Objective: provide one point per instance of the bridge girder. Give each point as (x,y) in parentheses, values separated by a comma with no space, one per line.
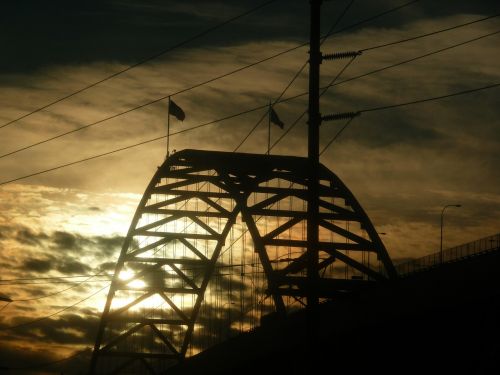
(181,227)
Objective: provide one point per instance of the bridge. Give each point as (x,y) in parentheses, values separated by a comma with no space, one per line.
(436,318)
(214,266)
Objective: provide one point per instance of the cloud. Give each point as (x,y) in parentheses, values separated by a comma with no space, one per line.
(73,266)
(109,245)
(403,164)
(66,241)
(27,237)
(38,265)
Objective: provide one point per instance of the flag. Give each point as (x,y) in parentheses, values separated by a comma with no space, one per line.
(174,109)
(273,117)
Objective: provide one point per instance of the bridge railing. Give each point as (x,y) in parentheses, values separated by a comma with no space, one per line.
(481,246)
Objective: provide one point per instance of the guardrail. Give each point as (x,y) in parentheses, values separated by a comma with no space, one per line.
(467,250)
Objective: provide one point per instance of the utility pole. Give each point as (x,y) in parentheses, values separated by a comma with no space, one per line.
(314,121)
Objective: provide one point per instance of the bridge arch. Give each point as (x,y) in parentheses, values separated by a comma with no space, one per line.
(206,211)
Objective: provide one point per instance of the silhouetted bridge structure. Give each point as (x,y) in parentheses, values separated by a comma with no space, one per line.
(213,277)
(437,318)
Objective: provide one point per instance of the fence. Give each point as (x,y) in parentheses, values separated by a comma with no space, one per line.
(474,248)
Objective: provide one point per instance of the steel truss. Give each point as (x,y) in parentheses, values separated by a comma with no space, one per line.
(181,227)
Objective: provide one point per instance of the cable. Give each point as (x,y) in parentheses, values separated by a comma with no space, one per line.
(284,135)
(54,282)
(325,89)
(415,58)
(244,112)
(131,146)
(419,101)
(53,314)
(387,67)
(336,135)
(429,34)
(52,278)
(199,84)
(46,364)
(4,306)
(141,62)
(58,292)
(431,99)
(330,31)
(399,7)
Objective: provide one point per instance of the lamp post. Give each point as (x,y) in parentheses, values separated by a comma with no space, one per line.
(442,221)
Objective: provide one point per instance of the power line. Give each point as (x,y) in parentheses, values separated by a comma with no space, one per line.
(369,19)
(53,314)
(134,145)
(200,83)
(59,291)
(321,94)
(387,67)
(141,62)
(52,278)
(246,111)
(415,58)
(52,282)
(418,101)
(334,138)
(429,34)
(47,364)
(330,31)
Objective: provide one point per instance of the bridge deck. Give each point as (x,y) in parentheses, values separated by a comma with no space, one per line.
(444,319)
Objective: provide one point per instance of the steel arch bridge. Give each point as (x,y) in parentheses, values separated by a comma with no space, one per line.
(217,242)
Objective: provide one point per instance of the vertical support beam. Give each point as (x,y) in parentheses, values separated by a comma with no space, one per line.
(314,121)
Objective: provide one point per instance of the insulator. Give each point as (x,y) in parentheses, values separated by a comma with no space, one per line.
(341,55)
(340,116)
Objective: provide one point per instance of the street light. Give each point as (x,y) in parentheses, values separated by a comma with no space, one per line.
(442,220)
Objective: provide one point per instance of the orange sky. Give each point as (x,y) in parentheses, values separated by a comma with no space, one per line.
(403,164)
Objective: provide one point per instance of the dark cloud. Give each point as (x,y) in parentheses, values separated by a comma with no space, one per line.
(25,359)
(38,265)
(107,266)
(59,32)
(5,230)
(64,264)
(72,266)
(109,245)
(27,237)
(66,241)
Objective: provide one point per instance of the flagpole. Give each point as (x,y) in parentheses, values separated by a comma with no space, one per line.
(168,127)
(269,129)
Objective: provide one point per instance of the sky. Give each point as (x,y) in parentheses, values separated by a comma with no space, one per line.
(403,164)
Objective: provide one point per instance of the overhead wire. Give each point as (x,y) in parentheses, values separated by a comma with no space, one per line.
(55,293)
(416,58)
(325,89)
(192,87)
(143,61)
(334,138)
(47,364)
(299,72)
(418,101)
(431,99)
(430,33)
(54,313)
(277,100)
(49,278)
(367,110)
(249,110)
